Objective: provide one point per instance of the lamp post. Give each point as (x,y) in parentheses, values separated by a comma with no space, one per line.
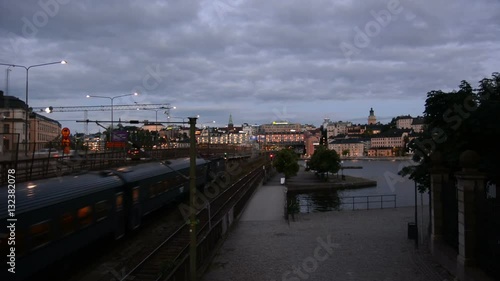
(7,80)
(111,99)
(27,68)
(192,199)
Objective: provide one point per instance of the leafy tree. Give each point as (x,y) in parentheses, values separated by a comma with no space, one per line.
(325,160)
(457,121)
(345,152)
(285,162)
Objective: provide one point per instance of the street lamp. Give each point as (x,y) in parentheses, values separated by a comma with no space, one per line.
(27,68)
(112,99)
(156,118)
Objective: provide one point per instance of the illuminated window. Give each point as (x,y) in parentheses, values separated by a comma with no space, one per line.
(101,210)
(85,216)
(119,201)
(67,224)
(40,234)
(135,195)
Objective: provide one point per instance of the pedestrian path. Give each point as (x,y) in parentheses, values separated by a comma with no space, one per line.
(267,204)
(347,245)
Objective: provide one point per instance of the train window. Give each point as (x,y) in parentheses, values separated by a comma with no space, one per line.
(135,195)
(119,201)
(40,234)
(67,224)
(101,210)
(85,216)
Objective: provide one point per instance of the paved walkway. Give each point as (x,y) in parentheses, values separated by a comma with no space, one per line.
(347,245)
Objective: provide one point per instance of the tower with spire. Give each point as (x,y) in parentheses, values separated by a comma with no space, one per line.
(230,125)
(371,118)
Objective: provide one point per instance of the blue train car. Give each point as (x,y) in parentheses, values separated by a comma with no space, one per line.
(57,216)
(150,186)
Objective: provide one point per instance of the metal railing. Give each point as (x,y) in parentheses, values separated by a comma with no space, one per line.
(367,200)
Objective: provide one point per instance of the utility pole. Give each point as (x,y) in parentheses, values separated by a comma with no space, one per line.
(192,198)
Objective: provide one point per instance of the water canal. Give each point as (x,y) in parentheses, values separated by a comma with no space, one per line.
(389,184)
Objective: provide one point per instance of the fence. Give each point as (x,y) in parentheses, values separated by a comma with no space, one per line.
(365,202)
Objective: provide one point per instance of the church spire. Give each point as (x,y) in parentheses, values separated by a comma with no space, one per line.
(230,125)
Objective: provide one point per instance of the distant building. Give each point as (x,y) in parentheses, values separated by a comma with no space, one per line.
(348,147)
(408,122)
(418,124)
(311,141)
(404,122)
(335,128)
(41,129)
(391,139)
(371,118)
(281,134)
(12,122)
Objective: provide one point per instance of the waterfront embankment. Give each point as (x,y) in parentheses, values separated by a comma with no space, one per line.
(308,181)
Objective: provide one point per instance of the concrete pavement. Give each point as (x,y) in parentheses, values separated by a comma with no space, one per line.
(346,245)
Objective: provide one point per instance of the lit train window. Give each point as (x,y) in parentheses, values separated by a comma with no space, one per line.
(40,234)
(85,216)
(67,224)
(135,195)
(119,201)
(101,210)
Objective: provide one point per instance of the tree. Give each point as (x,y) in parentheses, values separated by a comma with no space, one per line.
(285,162)
(457,121)
(325,160)
(345,152)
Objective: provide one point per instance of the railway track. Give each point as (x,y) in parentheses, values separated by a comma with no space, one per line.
(163,262)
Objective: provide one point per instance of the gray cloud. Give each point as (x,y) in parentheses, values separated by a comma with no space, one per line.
(250,57)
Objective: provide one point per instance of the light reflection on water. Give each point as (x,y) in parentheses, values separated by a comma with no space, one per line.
(388,183)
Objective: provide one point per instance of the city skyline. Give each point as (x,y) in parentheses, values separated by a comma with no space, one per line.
(257,60)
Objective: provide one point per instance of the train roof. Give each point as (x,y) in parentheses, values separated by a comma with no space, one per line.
(41,193)
(148,170)
(45,192)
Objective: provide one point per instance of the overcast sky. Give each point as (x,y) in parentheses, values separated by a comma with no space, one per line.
(259,60)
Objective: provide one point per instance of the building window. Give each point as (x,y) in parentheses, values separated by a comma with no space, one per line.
(6,128)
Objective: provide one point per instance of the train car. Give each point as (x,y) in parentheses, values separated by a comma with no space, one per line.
(150,186)
(56,216)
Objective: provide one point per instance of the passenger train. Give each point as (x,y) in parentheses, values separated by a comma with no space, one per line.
(57,216)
